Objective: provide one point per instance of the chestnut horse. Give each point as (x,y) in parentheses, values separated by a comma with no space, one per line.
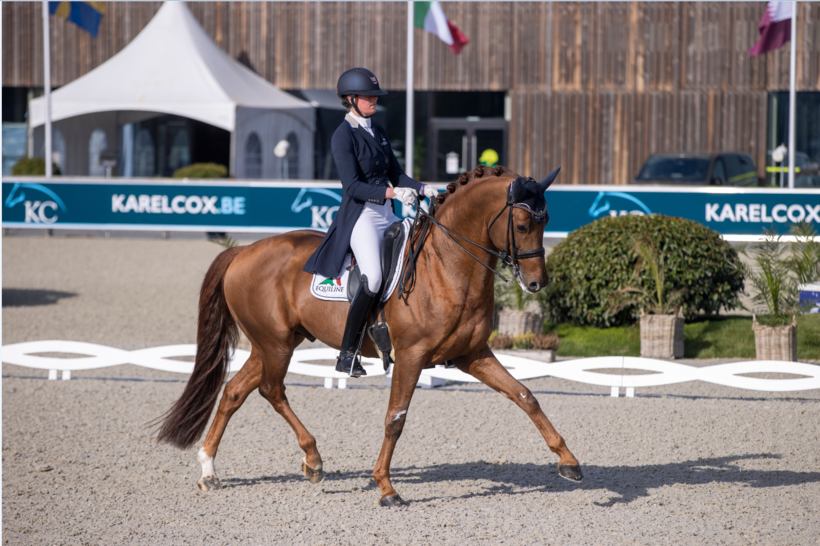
(262,289)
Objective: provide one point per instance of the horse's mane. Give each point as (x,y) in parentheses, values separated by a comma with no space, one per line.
(479,172)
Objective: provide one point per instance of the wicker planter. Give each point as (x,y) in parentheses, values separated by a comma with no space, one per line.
(661,336)
(776,342)
(516,323)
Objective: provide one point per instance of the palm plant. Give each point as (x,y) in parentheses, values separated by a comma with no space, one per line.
(655,298)
(777,277)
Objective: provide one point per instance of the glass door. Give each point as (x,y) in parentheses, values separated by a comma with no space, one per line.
(458,145)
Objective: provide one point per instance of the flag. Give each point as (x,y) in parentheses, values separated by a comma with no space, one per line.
(775,27)
(86,15)
(430,17)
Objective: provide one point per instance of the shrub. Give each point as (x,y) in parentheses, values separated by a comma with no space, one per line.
(523,341)
(33,166)
(597,260)
(546,342)
(202,170)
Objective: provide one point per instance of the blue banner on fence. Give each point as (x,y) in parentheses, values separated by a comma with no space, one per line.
(275,207)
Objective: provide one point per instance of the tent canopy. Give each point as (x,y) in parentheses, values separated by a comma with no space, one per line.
(172,67)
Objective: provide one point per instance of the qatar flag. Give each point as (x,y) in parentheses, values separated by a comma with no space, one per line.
(775,27)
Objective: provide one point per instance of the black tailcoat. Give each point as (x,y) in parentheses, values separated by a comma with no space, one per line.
(365,164)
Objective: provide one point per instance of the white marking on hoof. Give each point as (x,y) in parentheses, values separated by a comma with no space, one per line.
(208,468)
(399,414)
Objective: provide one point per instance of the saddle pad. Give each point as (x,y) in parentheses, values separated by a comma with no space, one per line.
(330,289)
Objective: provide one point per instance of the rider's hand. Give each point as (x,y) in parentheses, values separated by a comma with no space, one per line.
(405,195)
(429,192)
(390,194)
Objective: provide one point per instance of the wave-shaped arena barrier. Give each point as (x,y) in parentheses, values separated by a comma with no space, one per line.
(87,356)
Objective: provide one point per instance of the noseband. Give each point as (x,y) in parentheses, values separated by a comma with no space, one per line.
(509,256)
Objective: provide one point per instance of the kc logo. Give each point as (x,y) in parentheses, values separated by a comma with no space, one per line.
(37,211)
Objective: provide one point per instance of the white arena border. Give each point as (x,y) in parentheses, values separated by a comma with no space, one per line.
(666,373)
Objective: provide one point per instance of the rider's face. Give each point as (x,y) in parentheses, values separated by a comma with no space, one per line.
(366,104)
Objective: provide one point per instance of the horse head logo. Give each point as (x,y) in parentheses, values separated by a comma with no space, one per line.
(18,194)
(303,200)
(602,205)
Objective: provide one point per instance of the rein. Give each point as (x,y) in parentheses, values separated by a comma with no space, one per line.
(509,257)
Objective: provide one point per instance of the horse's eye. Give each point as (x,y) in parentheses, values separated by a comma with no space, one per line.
(521,229)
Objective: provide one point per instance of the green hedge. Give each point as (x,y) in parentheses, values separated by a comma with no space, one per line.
(33,166)
(202,170)
(599,258)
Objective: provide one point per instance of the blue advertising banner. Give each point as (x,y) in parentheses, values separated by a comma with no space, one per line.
(275,207)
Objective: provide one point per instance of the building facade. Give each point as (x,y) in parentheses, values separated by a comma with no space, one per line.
(594,87)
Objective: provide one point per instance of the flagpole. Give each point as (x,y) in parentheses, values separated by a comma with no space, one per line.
(47,84)
(792,93)
(408,139)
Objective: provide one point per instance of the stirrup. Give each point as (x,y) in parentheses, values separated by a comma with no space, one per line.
(344,362)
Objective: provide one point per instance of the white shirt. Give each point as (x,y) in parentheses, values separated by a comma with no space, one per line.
(364,123)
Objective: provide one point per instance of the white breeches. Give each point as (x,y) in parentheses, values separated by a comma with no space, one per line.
(367,237)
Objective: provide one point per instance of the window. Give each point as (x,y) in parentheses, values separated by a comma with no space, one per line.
(293,156)
(97,144)
(253,157)
(144,153)
(675,168)
(719,172)
(180,155)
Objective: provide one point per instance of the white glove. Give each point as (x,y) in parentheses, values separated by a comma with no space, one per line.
(406,195)
(430,192)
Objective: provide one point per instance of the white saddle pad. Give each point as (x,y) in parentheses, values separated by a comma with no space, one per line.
(330,289)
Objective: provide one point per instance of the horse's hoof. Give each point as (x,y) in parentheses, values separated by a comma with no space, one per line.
(392,500)
(571,472)
(315,475)
(210,483)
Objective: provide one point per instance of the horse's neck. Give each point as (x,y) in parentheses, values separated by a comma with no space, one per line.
(469,218)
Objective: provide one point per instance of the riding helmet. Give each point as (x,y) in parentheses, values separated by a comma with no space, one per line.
(358,81)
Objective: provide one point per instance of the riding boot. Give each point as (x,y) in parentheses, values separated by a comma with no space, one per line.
(356,323)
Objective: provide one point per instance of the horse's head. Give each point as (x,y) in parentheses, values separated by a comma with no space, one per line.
(520,232)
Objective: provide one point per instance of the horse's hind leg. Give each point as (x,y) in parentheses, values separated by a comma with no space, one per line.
(487,369)
(233,396)
(272,387)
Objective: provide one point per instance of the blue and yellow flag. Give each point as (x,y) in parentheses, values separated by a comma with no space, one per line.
(86,15)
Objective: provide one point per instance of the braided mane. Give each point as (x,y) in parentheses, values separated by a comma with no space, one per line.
(479,172)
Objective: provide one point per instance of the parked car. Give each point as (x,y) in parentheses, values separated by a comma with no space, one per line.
(809,177)
(721,169)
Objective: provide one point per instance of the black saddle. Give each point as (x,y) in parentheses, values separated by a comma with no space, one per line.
(389,252)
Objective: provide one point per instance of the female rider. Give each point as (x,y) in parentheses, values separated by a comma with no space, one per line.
(371,177)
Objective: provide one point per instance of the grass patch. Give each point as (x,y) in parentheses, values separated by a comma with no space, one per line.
(707,337)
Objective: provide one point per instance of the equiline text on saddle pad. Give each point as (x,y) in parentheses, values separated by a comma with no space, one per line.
(330,289)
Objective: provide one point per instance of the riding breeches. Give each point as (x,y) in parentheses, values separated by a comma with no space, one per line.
(366,239)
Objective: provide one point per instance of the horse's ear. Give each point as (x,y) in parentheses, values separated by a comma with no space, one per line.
(544,184)
(518,191)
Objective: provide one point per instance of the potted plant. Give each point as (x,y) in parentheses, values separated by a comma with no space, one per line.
(547,343)
(776,277)
(515,318)
(660,308)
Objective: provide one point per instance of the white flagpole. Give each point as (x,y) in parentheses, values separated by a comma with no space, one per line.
(47,84)
(792,94)
(408,139)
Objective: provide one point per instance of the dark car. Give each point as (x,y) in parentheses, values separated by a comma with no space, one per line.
(721,169)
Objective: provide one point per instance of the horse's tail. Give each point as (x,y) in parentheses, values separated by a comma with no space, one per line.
(217,335)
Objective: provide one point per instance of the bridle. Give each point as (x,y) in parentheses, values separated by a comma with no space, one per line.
(509,256)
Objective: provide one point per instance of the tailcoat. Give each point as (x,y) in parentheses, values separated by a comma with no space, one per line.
(365,163)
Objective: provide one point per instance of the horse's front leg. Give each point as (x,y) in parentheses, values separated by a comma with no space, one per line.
(405,377)
(487,369)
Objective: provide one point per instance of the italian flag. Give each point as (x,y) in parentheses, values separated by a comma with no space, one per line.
(430,17)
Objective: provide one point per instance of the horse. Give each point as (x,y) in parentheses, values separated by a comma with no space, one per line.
(448,315)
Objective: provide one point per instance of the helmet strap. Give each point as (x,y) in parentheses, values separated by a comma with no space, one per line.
(353,103)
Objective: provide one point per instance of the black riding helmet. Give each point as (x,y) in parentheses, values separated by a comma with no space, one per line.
(358,81)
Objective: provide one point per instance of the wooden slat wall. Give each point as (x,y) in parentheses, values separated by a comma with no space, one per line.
(595,86)
(566,46)
(604,137)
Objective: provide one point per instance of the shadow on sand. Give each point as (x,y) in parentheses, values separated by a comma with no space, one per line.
(27,297)
(626,483)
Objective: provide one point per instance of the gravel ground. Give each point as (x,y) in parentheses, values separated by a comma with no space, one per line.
(694,463)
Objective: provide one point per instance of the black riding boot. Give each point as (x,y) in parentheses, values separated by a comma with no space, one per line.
(356,323)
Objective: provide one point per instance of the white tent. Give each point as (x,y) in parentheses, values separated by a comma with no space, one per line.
(173,67)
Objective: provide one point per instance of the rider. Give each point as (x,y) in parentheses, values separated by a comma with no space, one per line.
(371,177)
